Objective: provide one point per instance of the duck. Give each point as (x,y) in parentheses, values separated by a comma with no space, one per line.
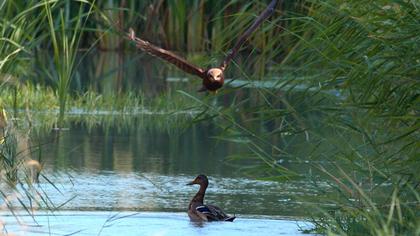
(198,211)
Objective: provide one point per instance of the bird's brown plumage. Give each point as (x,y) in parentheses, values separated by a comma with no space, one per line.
(166,55)
(210,82)
(198,211)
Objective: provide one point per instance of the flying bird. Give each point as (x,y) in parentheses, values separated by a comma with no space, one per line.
(213,78)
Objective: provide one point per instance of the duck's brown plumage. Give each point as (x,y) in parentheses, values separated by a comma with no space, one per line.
(198,211)
(210,82)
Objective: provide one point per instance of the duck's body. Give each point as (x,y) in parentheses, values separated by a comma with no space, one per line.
(198,211)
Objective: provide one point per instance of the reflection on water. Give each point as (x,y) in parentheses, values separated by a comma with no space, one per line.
(143,191)
(146,223)
(104,175)
(147,170)
(138,149)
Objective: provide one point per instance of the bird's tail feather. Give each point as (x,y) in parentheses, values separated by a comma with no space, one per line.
(230,218)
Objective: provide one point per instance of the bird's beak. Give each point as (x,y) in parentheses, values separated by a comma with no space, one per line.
(214,79)
(191,183)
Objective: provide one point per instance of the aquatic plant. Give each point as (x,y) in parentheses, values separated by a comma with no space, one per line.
(35,98)
(65,44)
(68,31)
(362,138)
(344,100)
(17,39)
(9,162)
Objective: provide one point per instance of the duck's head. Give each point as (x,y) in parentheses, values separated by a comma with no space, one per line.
(200,179)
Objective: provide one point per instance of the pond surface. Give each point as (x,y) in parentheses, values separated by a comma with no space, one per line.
(102,165)
(98,172)
(145,223)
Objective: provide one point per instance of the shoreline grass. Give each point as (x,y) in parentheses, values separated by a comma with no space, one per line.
(366,52)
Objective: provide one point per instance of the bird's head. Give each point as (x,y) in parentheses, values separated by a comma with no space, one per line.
(201,180)
(215,75)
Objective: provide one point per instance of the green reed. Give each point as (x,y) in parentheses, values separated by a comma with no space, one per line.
(19,173)
(204,28)
(9,163)
(17,38)
(33,98)
(362,142)
(65,43)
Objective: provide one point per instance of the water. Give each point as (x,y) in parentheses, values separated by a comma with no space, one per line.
(102,171)
(145,223)
(156,192)
(108,163)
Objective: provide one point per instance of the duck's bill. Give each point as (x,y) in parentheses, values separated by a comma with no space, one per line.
(191,183)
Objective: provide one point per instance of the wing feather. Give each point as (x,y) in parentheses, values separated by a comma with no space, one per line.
(212,213)
(264,15)
(166,55)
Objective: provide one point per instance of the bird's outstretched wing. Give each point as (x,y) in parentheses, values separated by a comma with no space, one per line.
(166,55)
(264,15)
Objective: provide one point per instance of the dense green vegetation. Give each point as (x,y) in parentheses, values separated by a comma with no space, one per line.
(353,121)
